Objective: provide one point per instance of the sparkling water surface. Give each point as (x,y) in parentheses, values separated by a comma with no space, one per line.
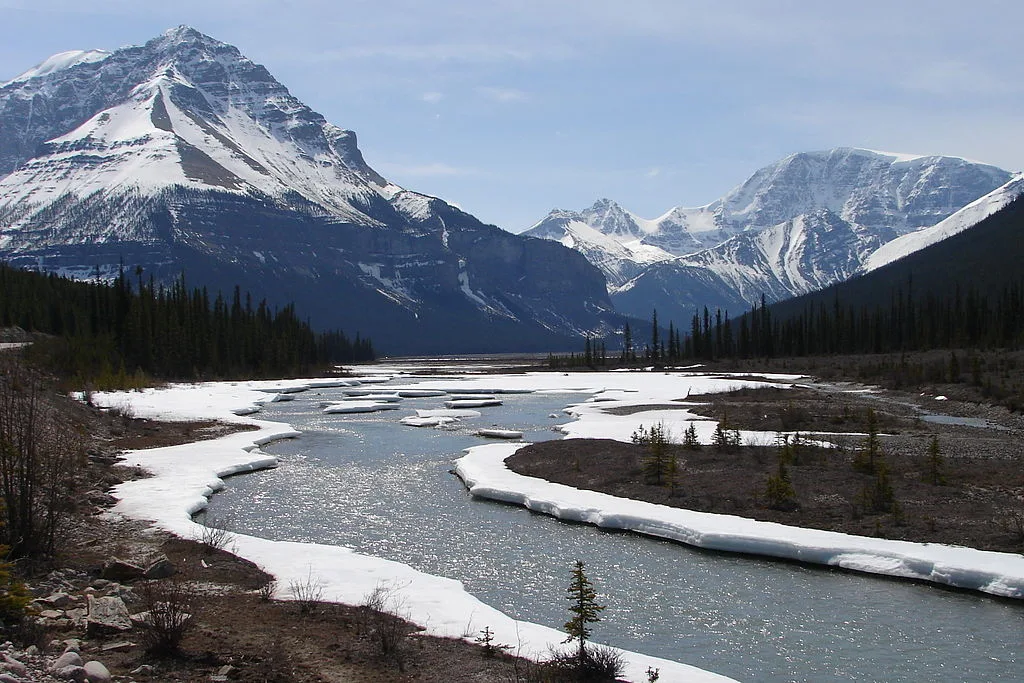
(370,483)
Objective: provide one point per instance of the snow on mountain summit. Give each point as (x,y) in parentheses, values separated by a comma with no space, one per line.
(58,62)
(804,222)
(183,110)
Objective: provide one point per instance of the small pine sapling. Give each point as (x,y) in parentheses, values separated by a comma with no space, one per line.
(584,609)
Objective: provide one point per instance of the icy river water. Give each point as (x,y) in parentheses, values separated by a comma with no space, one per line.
(370,483)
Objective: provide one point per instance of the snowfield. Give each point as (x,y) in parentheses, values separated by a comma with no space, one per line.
(186,476)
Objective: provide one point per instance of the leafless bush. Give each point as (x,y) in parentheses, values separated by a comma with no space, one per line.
(308,592)
(215,533)
(170,613)
(123,409)
(387,628)
(600,663)
(40,452)
(268,590)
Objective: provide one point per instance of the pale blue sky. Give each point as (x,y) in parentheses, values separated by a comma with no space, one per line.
(510,108)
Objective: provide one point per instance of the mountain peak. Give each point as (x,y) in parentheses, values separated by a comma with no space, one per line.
(186,34)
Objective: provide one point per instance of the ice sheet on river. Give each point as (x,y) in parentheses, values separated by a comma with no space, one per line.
(185,476)
(485,474)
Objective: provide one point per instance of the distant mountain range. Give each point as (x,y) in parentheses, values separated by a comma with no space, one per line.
(184,155)
(803,223)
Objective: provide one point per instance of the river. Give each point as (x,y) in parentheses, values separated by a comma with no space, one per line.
(385,489)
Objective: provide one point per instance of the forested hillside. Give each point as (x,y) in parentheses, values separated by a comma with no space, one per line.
(102,333)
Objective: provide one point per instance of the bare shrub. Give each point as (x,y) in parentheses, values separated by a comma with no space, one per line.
(216,533)
(40,452)
(600,663)
(268,590)
(308,593)
(385,624)
(170,614)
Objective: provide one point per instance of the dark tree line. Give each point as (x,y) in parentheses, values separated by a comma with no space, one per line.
(961,318)
(104,330)
(964,318)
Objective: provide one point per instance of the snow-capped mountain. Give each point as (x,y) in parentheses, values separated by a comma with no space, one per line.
(802,223)
(182,154)
(965,218)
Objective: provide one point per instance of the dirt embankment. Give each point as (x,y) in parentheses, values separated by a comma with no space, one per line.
(979,502)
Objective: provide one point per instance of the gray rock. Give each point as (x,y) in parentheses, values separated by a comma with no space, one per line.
(51,614)
(96,672)
(121,571)
(107,615)
(55,601)
(8,678)
(31,650)
(72,673)
(144,670)
(73,645)
(15,667)
(161,569)
(69,658)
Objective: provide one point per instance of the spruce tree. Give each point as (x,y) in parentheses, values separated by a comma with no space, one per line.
(584,609)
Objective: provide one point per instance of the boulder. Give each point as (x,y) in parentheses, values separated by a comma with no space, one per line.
(15,667)
(72,673)
(96,672)
(69,658)
(107,615)
(8,678)
(160,569)
(121,571)
(55,601)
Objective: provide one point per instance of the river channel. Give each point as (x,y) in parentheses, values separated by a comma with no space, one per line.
(370,483)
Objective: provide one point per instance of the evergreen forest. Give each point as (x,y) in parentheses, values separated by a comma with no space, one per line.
(121,333)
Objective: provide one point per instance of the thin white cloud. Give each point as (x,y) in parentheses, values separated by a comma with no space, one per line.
(432,97)
(503,94)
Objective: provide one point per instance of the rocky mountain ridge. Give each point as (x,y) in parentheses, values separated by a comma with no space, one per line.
(800,224)
(184,155)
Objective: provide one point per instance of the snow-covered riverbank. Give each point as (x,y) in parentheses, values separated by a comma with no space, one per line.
(185,476)
(485,474)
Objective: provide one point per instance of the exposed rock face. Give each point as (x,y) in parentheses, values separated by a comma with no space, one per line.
(183,155)
(808,221)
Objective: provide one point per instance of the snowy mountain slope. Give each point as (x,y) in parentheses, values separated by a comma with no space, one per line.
(618,248)
(777,262)
(802,223)
(182,154)
(965,218)
(59,61)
